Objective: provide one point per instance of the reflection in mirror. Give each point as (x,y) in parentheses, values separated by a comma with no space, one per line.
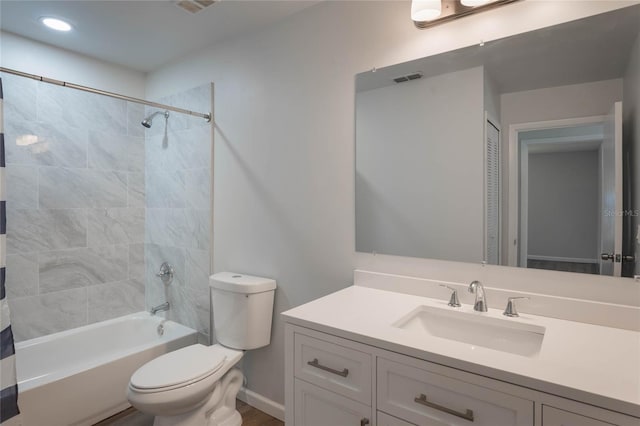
(522,151)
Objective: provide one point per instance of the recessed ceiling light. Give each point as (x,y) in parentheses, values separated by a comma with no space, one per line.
(56,24)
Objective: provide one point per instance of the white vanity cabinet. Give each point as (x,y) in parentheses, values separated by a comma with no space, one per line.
(333,381)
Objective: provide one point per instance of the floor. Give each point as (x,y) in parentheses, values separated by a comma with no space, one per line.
(250,417)
(584,268)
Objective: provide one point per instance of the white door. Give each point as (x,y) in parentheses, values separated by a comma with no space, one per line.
(314,406)
(611,194)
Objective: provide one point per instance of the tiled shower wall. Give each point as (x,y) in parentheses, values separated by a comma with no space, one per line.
(75,207)
(178,213)
(96,203)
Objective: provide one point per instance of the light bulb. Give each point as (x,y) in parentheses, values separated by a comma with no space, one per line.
(425,10)
(56,24)
(474,3)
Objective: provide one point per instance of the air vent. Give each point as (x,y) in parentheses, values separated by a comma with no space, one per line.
(405,78)
(193,6)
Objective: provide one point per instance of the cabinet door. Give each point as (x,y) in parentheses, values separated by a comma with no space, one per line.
(315,406)
(555,417)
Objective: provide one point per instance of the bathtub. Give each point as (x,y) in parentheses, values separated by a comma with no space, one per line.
(80,376)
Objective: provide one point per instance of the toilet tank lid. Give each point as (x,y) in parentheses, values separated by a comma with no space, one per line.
(241,283)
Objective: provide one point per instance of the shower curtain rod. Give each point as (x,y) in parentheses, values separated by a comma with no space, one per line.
(105,93)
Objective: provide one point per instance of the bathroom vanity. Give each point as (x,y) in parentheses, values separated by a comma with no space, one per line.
(365,356)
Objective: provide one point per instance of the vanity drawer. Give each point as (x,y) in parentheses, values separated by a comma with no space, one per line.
(386,420)
(333,367)
(422,397)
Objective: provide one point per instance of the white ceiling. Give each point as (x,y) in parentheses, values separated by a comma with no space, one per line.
(590,49)
(145,34)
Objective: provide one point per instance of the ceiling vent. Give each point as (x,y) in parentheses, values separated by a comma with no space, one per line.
(193,6)
(409,77)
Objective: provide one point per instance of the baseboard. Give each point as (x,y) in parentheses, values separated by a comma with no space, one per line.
(262,403)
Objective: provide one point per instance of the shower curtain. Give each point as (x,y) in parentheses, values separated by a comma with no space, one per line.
(9,413)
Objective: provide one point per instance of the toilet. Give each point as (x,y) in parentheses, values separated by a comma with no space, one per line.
(197,385)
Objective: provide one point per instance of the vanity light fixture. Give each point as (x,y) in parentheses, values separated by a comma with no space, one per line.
(423,12)
(56,24)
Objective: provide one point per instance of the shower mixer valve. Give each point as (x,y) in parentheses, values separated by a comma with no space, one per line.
(166,273)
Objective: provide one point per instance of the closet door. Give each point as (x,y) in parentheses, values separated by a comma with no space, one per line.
(492,194)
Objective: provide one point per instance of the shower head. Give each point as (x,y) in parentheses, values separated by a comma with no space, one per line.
(147,122)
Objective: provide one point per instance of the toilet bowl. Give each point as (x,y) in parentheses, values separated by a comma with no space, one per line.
(197,385)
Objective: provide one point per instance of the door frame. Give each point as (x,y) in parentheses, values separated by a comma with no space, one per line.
(514,241)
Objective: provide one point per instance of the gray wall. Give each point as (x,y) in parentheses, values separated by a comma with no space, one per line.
(631,130)
(409,200)
(552,103)
(563,205)
(75,212)
(178,208)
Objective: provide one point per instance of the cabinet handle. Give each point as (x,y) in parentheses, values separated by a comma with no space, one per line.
(364,422)
(422,399)
(315,363)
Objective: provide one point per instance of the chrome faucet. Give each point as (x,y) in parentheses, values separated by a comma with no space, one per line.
(480,304)
(163,307)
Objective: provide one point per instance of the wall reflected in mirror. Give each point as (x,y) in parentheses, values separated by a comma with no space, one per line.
(522,151)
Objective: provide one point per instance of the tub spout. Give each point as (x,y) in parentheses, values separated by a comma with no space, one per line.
(163,307)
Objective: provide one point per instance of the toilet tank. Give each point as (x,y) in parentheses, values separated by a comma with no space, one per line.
(242,308)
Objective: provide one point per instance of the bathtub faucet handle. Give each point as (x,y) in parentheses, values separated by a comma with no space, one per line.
(166,273)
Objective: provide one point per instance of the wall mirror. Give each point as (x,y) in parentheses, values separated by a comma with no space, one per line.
(521,151)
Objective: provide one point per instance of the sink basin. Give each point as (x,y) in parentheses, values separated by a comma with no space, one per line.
(475,329)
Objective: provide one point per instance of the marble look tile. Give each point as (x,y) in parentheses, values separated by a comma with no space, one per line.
(48,313)
(107,301)
(22,275)
(165,227)
(38,143)
(198,188)
(197,287)
(65,269)
(19,101)
(136,190)
(185,228)
(74,188)
(81,109)
(115,226)
(136,262)
(40,230)
(165,189)
(108,151)
(198,233)
(180,150)
(135,115)
(22,187)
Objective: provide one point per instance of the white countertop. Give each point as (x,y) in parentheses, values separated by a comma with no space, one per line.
(589,363)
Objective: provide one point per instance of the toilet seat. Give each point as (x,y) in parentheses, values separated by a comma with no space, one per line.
(179,368)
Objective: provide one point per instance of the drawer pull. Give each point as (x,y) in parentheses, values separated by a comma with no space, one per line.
(422,399)
(315,363)
(364,422)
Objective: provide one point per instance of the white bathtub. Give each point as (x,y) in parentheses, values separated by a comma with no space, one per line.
(80,376)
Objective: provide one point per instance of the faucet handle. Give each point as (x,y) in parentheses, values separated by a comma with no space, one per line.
(453,301)
(510,310)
